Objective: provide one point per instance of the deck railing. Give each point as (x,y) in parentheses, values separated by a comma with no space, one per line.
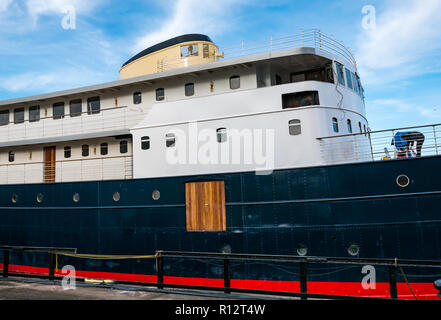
(377,145)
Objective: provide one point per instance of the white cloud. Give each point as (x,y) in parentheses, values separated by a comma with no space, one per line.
(406,42)
(4,4)
(40,7)
(398,107)
(192,16)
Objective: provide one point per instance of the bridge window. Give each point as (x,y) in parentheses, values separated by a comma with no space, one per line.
(206,50)
(34,114)
(4,117)
(145,143)
(349,126)
(11,156)
(340,73)
(58,110)
(189,89)
(335,124)
(300,99)
(221,135)
(235,82)
(93,105)
(160,94)
(104,149)
(18,115)
(85,150)
(189,51)
(295,127)
(137,98)
(75,108)
(67,152)
(323,74)
(349,79)
(123,146)
(170,140)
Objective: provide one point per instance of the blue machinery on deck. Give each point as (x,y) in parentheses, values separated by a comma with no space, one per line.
(392,264)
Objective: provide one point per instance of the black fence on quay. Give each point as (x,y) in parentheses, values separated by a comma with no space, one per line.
(392,264)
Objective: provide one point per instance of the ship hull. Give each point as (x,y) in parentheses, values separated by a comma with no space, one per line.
(324,209)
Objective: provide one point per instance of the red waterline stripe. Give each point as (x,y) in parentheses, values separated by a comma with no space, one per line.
(423,291)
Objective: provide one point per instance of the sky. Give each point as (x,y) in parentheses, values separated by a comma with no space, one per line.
(398,49)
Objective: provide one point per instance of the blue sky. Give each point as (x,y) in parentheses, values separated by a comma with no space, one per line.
(399,61)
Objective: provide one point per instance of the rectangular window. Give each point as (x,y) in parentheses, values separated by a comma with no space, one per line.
(11,156)
(235,82)
(335,124)
(145,143)
(300,99)
(349,126)
(349,79)
(18,115)
(76,108)
(298,77)
(189,89)
(170,140)
(160,94)
(295,127)
(340,73)
(85,150)
(206,50)
(123,146)
(104,149)
(205,206)
(189,51)
(67,152)
(34,114)
(93,105)
(137,98)
(58,110)
(4,117)
(221,134)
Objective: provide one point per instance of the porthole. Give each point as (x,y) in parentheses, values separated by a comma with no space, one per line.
(116,196)
(354,250)
(14,198)
(403,181)
(76,197)
(302,250)
(156,195)
(40,198)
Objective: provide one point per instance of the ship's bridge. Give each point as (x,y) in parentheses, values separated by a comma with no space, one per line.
(179,52)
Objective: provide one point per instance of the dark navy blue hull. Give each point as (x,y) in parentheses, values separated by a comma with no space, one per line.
(327,209)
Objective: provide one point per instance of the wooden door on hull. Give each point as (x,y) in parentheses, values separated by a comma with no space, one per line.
(205,206)
(49,164)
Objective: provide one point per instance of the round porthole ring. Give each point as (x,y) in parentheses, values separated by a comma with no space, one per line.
(354,250)
(302,250)
(156,195)
(116,196)
(40,198)
(14,198)
(400,183)
(76,197)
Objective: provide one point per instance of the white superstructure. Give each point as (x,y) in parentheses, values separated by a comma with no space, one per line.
(146,126)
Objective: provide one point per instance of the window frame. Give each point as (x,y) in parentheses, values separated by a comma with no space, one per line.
(17,113)
(104,149)
(232,79)
(349,125)
(33,118)
(158,96)
(335,125)
(295,127)
(74,103)
(339,68)
(5,112)
(189,85)
(85,147)
(91,109)
(137,97)
(11,156)
(67,152)
(123,146)
(60,106)
(145,143)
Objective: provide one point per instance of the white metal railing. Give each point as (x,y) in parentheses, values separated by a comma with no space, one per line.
(381,145)
(100,168)
(312,38)
(107,120)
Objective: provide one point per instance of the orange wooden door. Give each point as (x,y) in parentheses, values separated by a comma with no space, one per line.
(205,206)
(49,164)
